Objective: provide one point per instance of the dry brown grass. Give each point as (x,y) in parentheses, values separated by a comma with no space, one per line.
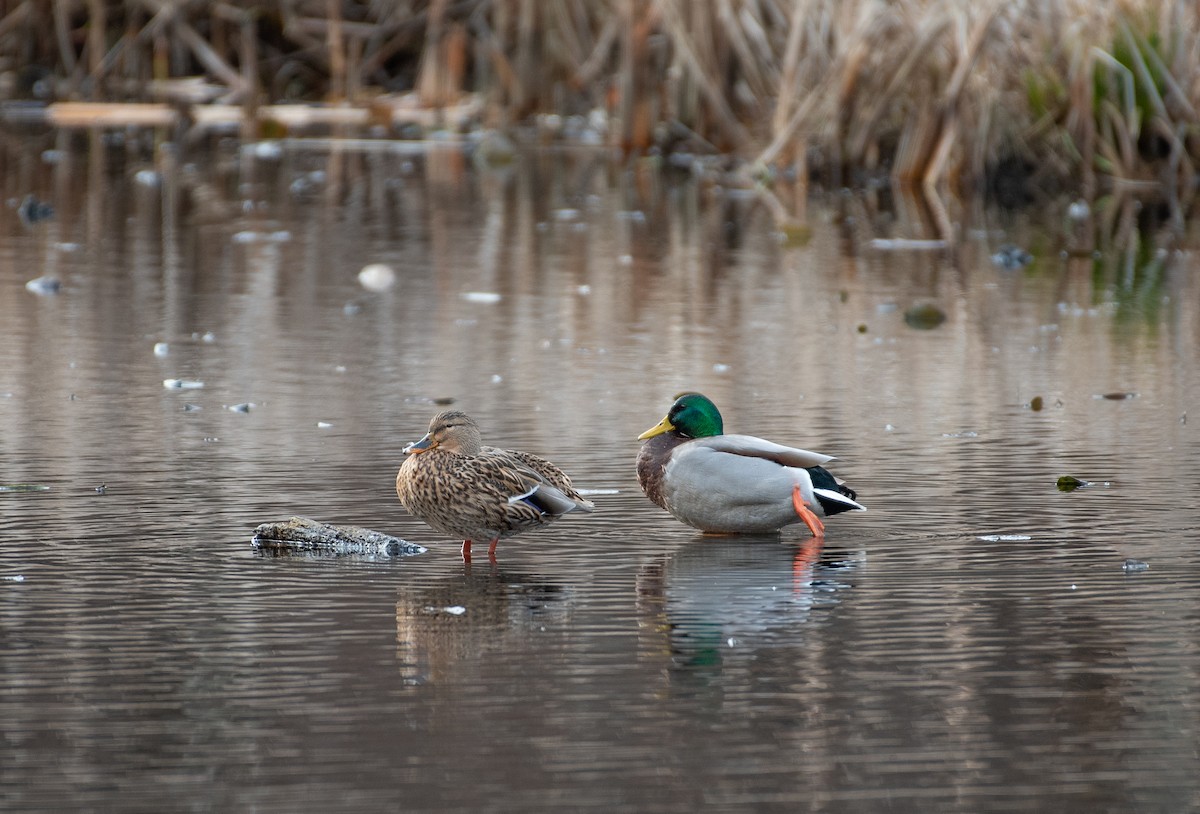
(929,93)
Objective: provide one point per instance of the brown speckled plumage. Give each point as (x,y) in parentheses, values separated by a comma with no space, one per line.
(479,493)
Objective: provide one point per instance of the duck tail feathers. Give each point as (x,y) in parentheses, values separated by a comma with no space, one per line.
(551,500)
(834,502)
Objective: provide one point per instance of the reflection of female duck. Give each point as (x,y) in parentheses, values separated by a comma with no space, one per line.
(453,620)
(734,483)
(715,595)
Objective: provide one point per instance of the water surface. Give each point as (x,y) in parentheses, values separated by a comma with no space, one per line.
(972,642)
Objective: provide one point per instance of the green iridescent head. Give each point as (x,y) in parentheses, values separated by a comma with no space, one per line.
(692,416)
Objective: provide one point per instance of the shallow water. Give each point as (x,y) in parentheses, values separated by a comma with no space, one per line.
(972,642)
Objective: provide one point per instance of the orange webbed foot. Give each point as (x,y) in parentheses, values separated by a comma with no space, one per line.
(806,514)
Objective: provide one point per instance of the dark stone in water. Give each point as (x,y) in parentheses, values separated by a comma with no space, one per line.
(1069,483)
(924,317)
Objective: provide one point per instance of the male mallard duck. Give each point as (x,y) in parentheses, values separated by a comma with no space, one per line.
(734,483)
(460,487)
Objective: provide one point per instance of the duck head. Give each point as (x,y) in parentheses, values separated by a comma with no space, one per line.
(692,416)
(452,431)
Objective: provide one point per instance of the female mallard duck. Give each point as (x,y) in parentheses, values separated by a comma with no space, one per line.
(734,483)
(460,487)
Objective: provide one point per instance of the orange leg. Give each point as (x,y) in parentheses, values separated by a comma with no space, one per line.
(466,551)
(806,514)
(492,550)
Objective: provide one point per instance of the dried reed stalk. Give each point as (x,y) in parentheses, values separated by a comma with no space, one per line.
(929,92)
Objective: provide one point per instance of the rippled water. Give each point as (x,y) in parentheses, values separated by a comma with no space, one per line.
(973,642)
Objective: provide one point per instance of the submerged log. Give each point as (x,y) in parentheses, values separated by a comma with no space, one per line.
(302,534)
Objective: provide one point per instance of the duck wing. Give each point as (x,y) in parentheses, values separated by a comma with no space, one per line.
(542,483)
(750,446)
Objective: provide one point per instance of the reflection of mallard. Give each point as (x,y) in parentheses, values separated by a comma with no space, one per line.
(460,487)
(714,598)
(734,483)
(452,621)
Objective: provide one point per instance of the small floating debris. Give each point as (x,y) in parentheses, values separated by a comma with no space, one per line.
(1119,396)
(244,407)
(485,297)
(323,425)
(161,349)
(794,234)
(720,367)
(306,184)
(1011,257)
(44,286)
(182,384)
(250,236)
(1036,404)
(906,244)
(303,534)
(147,178)
(1132,565)
(102,489)
(924,317)
(192,408)
(377,277)
(14,578)
(1005,538)
(270,150)
(31,210)
(494,149)
(24,487)
(453,610)
(440,400)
